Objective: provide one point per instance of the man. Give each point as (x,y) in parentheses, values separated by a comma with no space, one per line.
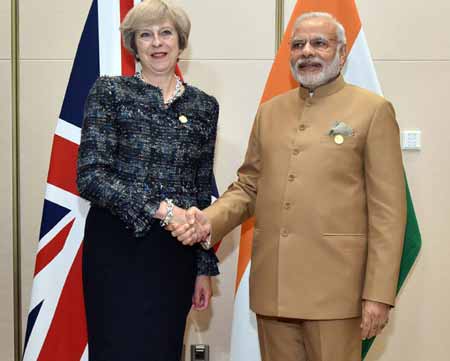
(323,177)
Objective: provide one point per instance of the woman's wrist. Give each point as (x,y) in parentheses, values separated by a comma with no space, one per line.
(169,213)
(162,211)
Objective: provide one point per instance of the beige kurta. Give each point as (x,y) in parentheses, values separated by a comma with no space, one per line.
(330,217)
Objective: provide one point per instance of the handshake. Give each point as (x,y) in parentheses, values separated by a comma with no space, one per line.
(190,226)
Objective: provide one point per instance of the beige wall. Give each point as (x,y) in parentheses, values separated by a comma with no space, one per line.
(6,242)
(230,55)
(412,57)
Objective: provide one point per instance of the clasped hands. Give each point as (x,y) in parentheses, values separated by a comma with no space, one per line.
(189,226)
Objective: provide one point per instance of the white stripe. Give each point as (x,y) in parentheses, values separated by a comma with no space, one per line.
(244,332)
(68,131)
(54,231)
(48,285)
(359,69)
(109,37)
(66,199)
(78,206)
(85,356)
(49,282)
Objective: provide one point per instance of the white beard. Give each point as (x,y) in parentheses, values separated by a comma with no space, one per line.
(313,80)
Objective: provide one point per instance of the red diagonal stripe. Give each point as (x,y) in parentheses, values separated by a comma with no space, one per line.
(52,249)
(128,65)
(63,165)
(67,337)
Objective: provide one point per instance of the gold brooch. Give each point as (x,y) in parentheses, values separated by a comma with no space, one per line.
(338,139)
(339,131)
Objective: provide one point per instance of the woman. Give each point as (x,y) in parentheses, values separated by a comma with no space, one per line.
(146,154)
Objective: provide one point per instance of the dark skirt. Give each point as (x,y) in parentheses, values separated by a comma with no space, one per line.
(138,291)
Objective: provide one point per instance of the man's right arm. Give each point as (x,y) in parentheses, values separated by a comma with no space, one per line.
(238,203)
(233,207)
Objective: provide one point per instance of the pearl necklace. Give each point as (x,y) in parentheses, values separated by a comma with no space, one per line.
(176,93)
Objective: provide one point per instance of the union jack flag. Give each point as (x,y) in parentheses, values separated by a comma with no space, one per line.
(56,327)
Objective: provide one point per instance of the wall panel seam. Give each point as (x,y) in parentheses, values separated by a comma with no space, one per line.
(279,23)
(16,179)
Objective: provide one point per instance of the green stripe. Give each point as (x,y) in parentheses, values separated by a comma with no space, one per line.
(411,248)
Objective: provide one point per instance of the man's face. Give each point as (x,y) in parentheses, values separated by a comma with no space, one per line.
(316,55)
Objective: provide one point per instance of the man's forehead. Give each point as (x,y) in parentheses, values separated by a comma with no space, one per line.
(315,26)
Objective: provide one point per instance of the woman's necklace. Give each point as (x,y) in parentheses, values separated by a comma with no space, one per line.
(176,93)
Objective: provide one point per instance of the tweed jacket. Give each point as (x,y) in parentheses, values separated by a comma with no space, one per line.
(135,152)
(330,212)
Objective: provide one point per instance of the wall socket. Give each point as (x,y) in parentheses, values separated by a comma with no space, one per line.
(199,352)
(411,139)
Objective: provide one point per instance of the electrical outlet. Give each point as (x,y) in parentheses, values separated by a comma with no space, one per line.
(199,352)
(411,139)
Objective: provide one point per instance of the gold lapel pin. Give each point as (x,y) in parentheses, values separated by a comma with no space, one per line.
(183,119)
(338,139)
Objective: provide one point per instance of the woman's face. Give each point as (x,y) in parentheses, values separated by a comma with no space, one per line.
(157,48)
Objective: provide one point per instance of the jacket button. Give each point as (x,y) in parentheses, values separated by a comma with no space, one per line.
(291,178)
(287,205)
(284,233)
(302,127)
(296,151)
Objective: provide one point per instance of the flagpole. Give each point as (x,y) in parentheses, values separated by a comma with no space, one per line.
(279,23)
(16,179)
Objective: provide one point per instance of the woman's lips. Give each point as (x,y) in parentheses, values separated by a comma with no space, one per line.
(159,55)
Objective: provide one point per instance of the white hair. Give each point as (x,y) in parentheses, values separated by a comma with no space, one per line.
(340,31)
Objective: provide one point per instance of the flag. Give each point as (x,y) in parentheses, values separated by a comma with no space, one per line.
(56,326)
(359,70)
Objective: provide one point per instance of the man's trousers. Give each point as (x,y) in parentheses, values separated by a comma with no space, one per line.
(283,339)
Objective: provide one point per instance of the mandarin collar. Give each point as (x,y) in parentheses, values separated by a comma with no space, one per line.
(324,90)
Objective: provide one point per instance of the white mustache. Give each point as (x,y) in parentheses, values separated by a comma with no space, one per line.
(309,61)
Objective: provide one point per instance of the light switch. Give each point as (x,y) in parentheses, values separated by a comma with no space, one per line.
(411,139)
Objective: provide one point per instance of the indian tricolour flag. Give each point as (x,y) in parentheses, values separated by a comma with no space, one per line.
(359,70)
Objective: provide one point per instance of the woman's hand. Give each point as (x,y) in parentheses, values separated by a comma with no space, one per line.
(202,293)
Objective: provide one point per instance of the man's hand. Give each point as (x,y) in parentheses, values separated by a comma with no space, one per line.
(196,229)
(202,293)
(375,317)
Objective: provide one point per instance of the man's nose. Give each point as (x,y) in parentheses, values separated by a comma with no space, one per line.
(308,50)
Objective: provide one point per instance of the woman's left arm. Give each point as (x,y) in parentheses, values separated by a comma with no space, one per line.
(206,261)
(202,293)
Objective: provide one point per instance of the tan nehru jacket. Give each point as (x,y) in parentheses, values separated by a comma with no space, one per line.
(330,209)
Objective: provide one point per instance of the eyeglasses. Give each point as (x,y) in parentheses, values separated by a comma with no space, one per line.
(149,35)
(317,43)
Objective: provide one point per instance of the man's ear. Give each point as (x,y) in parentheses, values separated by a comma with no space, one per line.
(343,54)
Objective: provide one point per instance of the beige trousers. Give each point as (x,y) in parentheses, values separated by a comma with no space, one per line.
(283,339)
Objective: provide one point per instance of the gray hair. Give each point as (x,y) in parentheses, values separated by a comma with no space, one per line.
(150,12)
(340,31)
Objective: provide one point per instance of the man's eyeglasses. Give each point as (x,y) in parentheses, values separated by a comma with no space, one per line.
(318,43)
